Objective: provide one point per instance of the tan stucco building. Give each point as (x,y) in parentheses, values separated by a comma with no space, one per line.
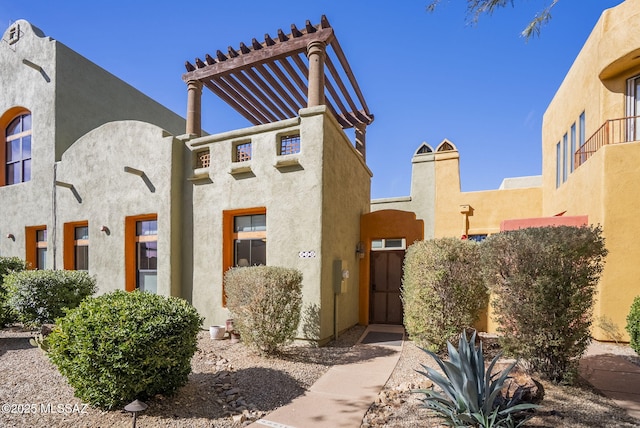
(97,176)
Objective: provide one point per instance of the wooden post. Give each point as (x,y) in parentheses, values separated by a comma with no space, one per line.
(316,53)
(194,108)
(361,134)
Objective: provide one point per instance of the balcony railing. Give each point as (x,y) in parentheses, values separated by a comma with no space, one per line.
(613,131)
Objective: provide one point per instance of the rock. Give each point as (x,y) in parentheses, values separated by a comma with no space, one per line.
(520,385)
(239,418)
(46,329)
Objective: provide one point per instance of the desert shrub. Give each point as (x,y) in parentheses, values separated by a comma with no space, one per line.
(544,282)
(41,296)
(442,290)
(470,394)
(265,302)
(8,265)
(122,346)
(633,325)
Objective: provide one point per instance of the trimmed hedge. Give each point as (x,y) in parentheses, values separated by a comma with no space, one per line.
(8,265)
(124,346)
(633,325)
(265,303)
(443,291)
(41,296)
(544,283)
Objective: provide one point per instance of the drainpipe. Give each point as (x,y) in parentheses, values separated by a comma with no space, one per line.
(54,215)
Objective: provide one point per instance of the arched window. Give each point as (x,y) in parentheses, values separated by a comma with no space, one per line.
(424,148)
(17,153)
(445,147)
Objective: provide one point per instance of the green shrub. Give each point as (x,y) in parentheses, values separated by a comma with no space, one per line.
(41,296)
(124,346)
(470,394)
(544,282)
(633,325)
(8,265)
(443,290)
(265,303)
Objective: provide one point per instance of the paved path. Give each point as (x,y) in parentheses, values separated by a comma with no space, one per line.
(342,396)
(615,377)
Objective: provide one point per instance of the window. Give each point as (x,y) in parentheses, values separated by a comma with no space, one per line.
(289,144)
(564,158)
(388,244)
(18,150)
(76,246)
(242,152)
(573,147)
(477,238)
(582,137)
(244,238)
(633,108)
(203,159)
(141,253)
(250,240)
(558,163)
(36,247)
(424,148)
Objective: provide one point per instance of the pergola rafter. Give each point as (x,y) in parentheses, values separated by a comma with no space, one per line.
(271,80)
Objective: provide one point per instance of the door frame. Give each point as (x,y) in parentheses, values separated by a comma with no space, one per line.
(383,224)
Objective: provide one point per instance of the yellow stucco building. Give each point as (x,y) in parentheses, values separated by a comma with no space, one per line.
(590,173)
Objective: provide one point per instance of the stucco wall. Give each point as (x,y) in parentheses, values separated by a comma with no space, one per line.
(29,203)
(88,96)
(423,190)
(605,186)
(346,189)
(306,208)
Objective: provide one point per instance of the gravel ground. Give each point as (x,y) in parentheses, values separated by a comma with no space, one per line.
(230,386)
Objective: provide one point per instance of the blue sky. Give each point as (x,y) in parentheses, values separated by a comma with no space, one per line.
(425,76)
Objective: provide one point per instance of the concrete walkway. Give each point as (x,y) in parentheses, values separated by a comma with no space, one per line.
(342,396)
(615,377)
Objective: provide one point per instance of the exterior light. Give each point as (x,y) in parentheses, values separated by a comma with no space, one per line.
(11,236)
(360,250)
(135,407)
(105,229)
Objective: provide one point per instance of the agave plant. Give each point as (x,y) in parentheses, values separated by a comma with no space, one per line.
(470,394)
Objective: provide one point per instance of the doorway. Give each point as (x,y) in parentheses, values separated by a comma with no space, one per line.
(386,280)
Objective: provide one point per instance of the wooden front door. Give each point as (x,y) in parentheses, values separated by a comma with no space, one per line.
(385,306)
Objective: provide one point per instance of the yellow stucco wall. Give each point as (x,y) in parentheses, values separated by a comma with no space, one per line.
(605,186)
(488,208)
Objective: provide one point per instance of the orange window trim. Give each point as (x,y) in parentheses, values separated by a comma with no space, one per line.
(5,119)
(31,245)
(228,236)
(130,240)
(69,242)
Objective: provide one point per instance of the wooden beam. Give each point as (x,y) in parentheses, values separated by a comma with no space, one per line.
(286,109)
(278,87)
(244,98)
(345,65)
(260,56)
(268,40)
(295,76)
(213,87)
(280,75)
(266,101)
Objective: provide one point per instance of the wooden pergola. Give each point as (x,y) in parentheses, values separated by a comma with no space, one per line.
(271,80)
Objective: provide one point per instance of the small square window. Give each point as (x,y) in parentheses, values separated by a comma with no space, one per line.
(242,152)
(14,34)
(289,144)
(203,159)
